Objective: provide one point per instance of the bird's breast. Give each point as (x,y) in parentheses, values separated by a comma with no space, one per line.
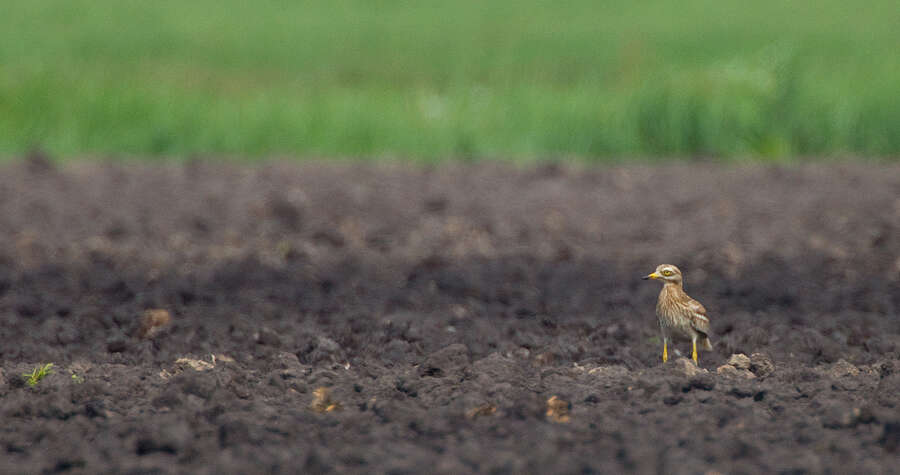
(673,317)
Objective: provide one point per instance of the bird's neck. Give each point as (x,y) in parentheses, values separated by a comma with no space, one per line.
(673,287)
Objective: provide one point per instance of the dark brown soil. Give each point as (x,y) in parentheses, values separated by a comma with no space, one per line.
(442,308)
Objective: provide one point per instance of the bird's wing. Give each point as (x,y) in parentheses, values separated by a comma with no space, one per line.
(699,320)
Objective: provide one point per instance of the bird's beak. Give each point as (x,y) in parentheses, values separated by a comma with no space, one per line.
(653,276)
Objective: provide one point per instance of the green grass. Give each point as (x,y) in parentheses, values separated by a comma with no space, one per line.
(432,79)
(37,374)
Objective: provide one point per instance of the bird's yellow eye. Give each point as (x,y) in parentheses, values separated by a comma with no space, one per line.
(667,273)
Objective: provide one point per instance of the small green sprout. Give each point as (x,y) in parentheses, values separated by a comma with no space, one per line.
(77,378)
(37,374)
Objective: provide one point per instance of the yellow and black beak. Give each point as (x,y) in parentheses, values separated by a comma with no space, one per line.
(653,276)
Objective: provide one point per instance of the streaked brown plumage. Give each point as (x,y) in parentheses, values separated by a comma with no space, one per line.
(679,315)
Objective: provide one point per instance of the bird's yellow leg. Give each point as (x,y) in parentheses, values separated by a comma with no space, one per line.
(665,351)
(694,353)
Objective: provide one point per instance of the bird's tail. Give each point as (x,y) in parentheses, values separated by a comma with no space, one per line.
(705,343)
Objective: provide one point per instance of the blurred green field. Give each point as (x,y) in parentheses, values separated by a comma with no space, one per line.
(519,79)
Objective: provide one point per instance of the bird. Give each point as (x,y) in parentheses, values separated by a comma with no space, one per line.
(679,315)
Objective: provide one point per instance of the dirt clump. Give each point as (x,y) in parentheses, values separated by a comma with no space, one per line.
(152,322)
(738,366)
(558,409)
(323,401)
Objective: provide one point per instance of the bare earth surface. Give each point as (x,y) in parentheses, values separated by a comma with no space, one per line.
(442,308)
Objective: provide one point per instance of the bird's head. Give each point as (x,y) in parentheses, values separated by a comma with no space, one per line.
(666,273)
